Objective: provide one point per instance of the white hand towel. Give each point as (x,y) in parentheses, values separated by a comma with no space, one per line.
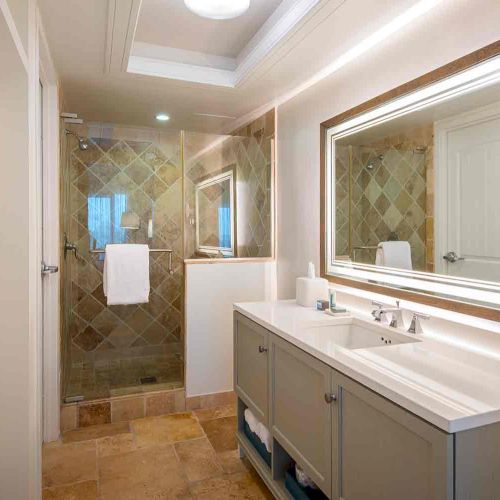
(394,254)
(126,274)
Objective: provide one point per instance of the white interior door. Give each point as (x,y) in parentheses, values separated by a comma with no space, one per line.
(473,201)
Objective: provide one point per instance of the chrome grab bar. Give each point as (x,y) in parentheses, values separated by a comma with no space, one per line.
(151,250)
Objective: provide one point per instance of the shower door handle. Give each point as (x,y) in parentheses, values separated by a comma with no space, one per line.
(49,269)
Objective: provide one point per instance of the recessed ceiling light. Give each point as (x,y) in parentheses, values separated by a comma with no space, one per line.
(218,9)
(162,117)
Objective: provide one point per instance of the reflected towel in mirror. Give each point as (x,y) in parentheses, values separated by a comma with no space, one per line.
(394,254)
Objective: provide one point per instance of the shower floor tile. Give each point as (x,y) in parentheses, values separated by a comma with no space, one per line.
(107,378)
(119,463)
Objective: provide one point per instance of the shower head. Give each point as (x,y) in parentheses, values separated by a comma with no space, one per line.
(82,143)
(374,162)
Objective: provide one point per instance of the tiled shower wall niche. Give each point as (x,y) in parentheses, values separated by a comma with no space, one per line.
(124,170)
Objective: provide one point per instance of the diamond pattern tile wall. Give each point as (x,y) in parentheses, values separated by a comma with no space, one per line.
(393,197)
(114,175)
(248,152)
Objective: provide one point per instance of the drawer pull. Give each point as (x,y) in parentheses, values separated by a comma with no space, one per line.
(262,348)
(330,398)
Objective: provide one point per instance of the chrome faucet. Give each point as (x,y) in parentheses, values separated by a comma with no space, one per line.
(381,310)
(415,326)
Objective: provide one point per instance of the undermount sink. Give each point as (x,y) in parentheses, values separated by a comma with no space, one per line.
(357,334)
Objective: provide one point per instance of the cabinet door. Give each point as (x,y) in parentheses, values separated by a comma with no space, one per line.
(388,453)
(300,415)
(251,366)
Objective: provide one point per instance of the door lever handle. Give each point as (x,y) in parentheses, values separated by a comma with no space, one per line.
(452,257)
(262,349)
(49,269)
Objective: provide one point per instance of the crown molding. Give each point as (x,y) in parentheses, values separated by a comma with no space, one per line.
(122,22)
(166,62)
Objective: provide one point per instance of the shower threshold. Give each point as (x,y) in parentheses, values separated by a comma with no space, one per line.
(74,399)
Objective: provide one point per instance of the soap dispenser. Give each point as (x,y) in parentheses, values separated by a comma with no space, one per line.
(309,289)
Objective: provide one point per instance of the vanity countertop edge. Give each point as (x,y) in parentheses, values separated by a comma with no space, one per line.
(429,398)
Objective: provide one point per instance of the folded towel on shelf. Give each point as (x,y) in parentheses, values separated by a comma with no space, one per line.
(259,429)
(394,254)
(126,274)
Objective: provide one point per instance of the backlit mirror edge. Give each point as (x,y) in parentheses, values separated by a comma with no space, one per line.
(473,297)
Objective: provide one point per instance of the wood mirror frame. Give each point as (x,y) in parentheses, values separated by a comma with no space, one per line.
(434,76)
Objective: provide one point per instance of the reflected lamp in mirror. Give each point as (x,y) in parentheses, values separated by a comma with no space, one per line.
(130,220)
(215,217)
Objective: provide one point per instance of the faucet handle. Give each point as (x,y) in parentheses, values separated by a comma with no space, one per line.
(415,326)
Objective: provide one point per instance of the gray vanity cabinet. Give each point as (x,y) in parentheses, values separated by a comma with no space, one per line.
(251,366)
(301,414)
(388,453)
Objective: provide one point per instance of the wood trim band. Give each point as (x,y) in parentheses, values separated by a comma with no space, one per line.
(445,71)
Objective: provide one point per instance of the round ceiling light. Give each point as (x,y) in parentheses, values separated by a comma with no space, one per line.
(162,117)
(218,9)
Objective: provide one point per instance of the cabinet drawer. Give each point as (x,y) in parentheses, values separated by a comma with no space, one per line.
(301,416)
(251,343)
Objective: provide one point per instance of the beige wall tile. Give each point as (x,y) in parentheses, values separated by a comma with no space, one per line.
(68,418)
(93,414)
(123,410)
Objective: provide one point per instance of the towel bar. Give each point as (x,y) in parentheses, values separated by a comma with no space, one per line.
(151,250)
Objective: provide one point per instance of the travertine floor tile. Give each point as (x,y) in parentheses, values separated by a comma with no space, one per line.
(114,445)
(152,431)
(218,412)
(95,432)
(233,486)
(221,432)
(142,474)
(69,463)
(182,426)
(198,459)
(231,461)
(79,491)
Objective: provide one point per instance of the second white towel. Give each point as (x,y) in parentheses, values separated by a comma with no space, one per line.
(126,274)
(394,254)
(259,429)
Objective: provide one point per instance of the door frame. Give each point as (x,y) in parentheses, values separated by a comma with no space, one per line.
(49,186)
(442,128)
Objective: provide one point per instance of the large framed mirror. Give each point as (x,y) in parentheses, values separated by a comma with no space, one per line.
(215,217)
(411,188)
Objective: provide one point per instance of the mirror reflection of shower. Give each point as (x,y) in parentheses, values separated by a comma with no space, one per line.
(374,162)
(82,143)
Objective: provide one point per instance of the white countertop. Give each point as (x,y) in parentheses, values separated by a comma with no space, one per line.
(451,387)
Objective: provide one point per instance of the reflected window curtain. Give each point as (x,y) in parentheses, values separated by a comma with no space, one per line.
(104,216)
(99,219)
(119,206)
(225,227)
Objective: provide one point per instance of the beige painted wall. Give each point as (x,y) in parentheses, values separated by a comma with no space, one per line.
(20,12)
(14,283)
(451,30)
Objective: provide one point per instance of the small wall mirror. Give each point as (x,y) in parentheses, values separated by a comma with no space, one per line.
(412,190)
(215,218)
